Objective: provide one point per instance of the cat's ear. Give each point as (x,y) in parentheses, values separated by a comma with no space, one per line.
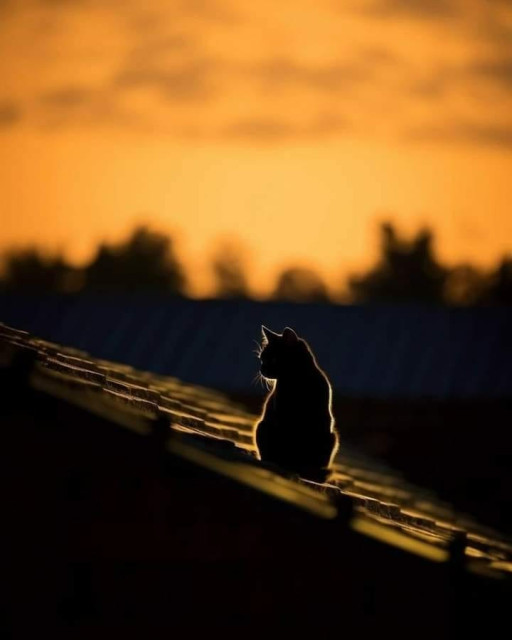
(268,334)
(289,336)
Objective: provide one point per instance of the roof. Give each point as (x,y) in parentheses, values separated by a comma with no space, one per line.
(208,429)
(367,351)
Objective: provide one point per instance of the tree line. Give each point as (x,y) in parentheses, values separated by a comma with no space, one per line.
(405,271)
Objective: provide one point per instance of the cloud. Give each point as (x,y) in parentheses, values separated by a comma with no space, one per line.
(10,113)
(332,76)
(491,134)
(84,106)
(197,77)
(479,133)
(498,70)
(472,80)
(262,128)
(206,69)
(155,47)
(147,19)
(430,88)
(414,9)
(266,129)
(191,80)
(67,97)
(211,10)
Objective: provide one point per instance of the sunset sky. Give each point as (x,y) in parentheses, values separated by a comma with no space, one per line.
(293,126)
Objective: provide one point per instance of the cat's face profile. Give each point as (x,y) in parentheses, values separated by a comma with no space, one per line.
(280,353)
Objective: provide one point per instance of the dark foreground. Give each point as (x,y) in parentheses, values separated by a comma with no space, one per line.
(133,506)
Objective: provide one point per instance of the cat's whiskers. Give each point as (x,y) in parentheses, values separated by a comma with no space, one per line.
(257,379)
(258,350)
(267,382)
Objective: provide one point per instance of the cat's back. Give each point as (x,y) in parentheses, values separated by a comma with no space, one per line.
(308,398)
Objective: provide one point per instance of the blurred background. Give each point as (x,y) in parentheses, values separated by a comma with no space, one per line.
(173,174)
(259,139)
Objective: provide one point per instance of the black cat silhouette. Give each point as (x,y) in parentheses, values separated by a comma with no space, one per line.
(296,430)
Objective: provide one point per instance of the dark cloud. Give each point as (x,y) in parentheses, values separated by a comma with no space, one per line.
(334,76)
(10,6)
(472,80)
(67,97)
(10,113)
(435,84)
(415,9)
(327,124)
(486,134)
(154,47)
(62,2)
(211,10)
(491,134)
(151,18)
(259,128)
(428,89)
(274,129)
(497,70)
(79,106)
(191,80)
(381,56)
(181,76)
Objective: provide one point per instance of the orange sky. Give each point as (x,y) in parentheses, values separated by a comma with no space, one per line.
(293,126)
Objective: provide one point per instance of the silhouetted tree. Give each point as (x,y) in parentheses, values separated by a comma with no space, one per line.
(229,269)
(465,285)
(298,284)
(499,291)
(28,270)
(405,272)
(145,262)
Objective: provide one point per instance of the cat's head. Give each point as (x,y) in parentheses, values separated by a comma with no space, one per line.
(282,353)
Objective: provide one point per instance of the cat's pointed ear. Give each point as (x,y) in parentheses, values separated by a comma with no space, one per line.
(267,333)
(289,336)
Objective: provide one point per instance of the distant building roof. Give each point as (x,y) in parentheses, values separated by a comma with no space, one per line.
(367,351)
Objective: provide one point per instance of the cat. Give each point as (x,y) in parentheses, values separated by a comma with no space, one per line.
(296,430)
